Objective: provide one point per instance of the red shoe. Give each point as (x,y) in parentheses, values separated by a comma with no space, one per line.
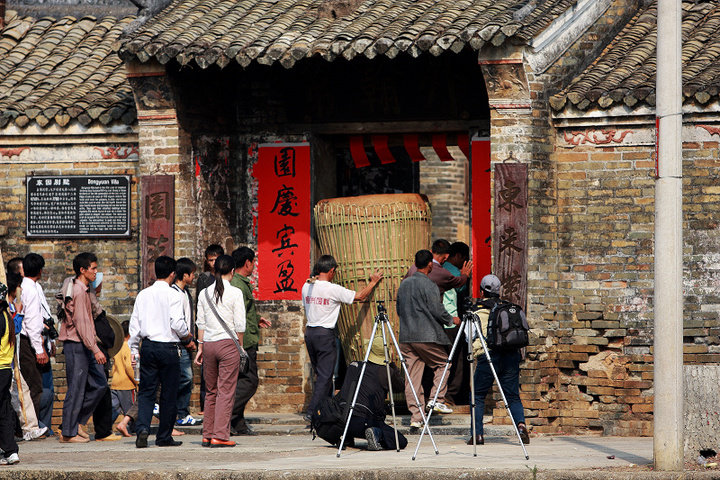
(214,443)
(205,442)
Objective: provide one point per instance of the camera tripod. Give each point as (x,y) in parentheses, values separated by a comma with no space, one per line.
(470,321)
(382,322)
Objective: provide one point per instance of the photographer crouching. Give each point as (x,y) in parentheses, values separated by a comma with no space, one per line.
(368,419)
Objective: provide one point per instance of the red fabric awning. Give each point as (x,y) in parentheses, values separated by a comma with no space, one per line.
(412,144)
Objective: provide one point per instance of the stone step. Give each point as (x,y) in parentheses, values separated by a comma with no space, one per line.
(294,424)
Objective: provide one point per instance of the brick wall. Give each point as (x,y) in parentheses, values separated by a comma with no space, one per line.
(597,345)
(588,367)
(447,185)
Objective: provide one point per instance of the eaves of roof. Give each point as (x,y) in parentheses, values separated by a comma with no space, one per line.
(63,70)
(625,73)
(208,32)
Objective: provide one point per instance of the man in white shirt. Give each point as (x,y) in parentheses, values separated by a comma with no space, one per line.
(158,321)
(32,351)
(321,299)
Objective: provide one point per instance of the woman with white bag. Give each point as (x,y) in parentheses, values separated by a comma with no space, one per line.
(221,324)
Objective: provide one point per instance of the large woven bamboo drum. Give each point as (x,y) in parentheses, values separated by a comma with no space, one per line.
(365,234)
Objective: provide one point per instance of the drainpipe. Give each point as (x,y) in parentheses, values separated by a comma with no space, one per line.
(668,292)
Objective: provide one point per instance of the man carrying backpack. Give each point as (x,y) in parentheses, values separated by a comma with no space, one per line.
(506,361)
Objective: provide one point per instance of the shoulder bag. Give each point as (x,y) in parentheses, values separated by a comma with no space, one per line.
(244,359)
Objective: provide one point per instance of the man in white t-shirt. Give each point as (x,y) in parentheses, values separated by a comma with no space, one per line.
(321,299)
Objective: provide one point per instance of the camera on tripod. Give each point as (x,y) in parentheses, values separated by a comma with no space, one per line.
(468,305)
(381,307)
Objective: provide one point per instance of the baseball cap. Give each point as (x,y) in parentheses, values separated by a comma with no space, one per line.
(490,284)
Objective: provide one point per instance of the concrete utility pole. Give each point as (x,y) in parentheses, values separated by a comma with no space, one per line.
(668,301)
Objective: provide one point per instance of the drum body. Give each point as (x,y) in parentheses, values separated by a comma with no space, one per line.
(365,234)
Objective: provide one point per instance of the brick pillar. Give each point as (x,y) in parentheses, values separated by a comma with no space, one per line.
(520,132)
(165,147)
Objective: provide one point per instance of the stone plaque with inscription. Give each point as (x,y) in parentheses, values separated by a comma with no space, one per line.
(157,222)
(510,243)
(78,206)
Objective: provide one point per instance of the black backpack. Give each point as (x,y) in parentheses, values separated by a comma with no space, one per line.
(328,420)
(507,327)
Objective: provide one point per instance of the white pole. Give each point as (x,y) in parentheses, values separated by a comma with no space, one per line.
(668,293)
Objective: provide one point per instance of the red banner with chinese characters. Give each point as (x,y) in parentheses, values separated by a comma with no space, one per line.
(481,222)
(511,230)
(283,177)
(158,222)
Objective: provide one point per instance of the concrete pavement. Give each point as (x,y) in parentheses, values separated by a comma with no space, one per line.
(295,456)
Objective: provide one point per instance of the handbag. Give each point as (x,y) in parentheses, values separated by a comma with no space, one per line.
(244,359)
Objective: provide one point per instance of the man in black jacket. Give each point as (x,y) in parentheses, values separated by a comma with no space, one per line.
(368,419)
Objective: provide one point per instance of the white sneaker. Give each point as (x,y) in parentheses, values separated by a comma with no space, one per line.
(416,425)
(12,459)
(34,434)
(442,408)
(188,420)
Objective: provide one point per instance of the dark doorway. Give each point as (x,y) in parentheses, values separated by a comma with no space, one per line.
(403,176)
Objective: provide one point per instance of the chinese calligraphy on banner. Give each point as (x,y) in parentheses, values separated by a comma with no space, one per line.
(510,241)
(158,222)
(283,175)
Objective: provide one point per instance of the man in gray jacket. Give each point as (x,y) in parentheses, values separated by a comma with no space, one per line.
(422,338)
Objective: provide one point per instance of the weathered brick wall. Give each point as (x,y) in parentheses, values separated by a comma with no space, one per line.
(601,332)
(588,367)
(447,186)
(283,365)
(227,205)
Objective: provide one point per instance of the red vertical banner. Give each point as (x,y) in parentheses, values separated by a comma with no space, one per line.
(283,176)
(480,211)
(511,229)
(157,222)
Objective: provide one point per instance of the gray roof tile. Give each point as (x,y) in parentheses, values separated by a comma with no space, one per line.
(624,74)
(209,32)
(59,70)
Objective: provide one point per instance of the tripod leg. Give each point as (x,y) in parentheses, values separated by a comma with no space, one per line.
(437,389)
(389,377)
(502,393)
(412,388)
(473,363)
(357,388)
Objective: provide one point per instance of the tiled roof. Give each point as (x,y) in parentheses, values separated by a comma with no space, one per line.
(62,70)
(221,31)
(624,74)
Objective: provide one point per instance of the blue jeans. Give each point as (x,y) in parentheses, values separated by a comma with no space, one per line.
(507,367)
(159,365)
(186,384)
(46,402)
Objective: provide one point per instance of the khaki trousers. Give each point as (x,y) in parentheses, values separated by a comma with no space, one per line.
(417,356)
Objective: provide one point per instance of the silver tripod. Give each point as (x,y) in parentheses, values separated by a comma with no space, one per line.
(382,321)
(471,320)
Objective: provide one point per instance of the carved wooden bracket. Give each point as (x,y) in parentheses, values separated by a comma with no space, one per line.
(154,99)
(506,84)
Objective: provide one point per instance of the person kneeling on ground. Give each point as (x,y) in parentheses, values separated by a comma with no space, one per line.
(368,418)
